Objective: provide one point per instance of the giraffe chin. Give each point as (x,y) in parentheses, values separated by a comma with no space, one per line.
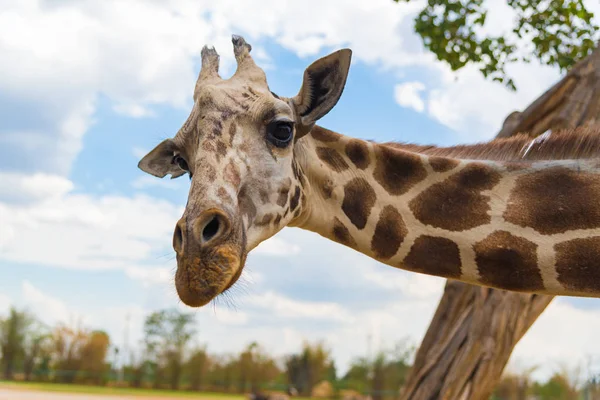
(199,280)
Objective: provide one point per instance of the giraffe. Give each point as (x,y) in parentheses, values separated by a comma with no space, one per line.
(257,162)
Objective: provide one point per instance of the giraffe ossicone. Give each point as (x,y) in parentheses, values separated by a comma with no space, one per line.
(483,215)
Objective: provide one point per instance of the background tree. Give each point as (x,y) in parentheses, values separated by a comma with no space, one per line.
(556,32)
(358,376)
(382,376)
(514,386)
(245,368)
(557,387)
(167,333)
(36,348)
(306,369)
(198,366)
(13,334)
(139,365)
(79,354)
(93,357)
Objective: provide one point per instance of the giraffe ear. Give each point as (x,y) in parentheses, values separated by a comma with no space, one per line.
(159,161)
(323,84)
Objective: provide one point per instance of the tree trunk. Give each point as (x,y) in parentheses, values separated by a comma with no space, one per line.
(29,361)
(475,329)
(8,359)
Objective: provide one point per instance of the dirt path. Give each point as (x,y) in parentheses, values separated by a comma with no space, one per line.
(18,394)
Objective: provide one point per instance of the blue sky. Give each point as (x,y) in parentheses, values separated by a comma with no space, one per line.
(87,88)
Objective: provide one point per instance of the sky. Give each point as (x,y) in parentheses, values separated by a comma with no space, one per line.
(88,87)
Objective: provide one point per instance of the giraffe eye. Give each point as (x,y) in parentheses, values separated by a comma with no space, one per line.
(280,133)
(181,162)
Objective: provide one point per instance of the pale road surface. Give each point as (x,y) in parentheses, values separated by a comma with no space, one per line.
(8,394)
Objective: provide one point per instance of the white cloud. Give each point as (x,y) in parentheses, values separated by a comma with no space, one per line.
(408,95)
(275,246)
(5,304)
(289,308)
(139,152)
(230,317)
(133,110)
(32,187)
(48,308)
(412,285)
(146,181)
(60,58)
(85,232)
(475,107)
(150,276)
(562,335)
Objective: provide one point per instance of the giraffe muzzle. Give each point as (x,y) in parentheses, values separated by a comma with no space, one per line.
(211,252)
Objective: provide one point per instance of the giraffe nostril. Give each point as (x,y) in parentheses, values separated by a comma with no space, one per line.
(178,239)
(211,229)
(210,226)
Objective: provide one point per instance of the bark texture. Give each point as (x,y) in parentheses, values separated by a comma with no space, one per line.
(475,329)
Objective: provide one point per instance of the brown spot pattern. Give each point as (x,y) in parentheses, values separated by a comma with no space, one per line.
(442,164)
(577,264)
(211,172)
(332,158)
(277,220)
(224,196)
(341,234)
(232,131)
(508,262)
(246,204)
(208,146)
(264,195)
(221,150)
(252,92)
(456,203)
(324,135)
(390,232)
(265,220)
(295,199)
(434,255)
(555,200)
(396,170)
(359,199)
(217,128)
(231,174)
(295,169)
(283,193)
(358,152)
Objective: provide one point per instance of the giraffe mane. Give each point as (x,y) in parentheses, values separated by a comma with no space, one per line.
(572,143)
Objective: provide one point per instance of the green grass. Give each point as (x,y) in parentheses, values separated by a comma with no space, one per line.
(72,388)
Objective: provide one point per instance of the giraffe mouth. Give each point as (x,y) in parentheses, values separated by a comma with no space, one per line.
(200,279)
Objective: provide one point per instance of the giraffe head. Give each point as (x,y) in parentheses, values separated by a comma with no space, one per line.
(238,147)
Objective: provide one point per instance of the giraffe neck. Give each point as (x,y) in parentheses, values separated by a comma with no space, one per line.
(522,226)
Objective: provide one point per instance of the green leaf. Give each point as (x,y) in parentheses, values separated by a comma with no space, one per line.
(556,32)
